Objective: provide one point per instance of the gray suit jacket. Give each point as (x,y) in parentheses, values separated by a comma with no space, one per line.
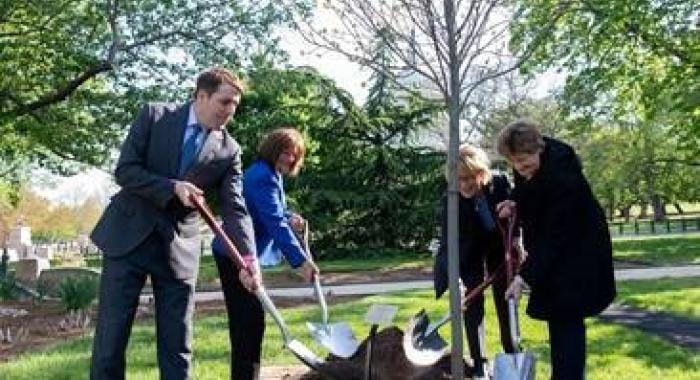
(146,171)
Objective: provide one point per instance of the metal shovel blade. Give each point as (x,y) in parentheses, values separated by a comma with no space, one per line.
(337,338)
(304,354)
(297,348)
(520,366)
(423,345)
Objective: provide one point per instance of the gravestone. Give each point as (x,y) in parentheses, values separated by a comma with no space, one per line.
(27,271)
(19,242)
(44,251)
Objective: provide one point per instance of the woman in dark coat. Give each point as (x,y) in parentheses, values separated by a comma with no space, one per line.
(569,262)
(480,247)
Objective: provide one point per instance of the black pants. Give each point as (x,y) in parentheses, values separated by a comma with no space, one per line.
(246,322)
(567,340)
(120,286)
(474,315)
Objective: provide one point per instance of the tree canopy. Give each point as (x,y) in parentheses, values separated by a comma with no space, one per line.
(73,71)
(627,60)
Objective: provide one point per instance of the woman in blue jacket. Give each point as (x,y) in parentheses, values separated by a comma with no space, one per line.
(281,153)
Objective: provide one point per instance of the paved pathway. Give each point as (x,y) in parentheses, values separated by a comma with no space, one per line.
(680,331)
(391,287)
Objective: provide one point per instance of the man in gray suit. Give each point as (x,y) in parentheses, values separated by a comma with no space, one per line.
(151,230)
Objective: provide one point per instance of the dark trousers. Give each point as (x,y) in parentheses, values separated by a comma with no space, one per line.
(121,283)
(246,322)
(567,341)
(474,315)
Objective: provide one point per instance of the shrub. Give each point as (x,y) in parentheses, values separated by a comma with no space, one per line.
(8,287)
(77,293)
(42,289)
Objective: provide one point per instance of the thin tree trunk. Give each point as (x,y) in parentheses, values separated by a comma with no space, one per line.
(659,211)
(678,208)
(643,210)
(625,212)
(453,102)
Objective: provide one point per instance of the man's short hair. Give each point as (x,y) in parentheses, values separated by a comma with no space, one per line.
(521,136)
(210,80)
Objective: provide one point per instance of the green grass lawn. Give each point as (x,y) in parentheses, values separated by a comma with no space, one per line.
(659,250)
(679,296)
(614,352)
(208,273)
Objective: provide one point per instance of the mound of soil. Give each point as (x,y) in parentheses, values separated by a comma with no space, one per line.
(388,363)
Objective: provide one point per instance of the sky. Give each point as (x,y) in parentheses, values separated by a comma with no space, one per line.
(98,184)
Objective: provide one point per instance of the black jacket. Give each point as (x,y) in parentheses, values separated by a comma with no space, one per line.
(475,242)
(569,267)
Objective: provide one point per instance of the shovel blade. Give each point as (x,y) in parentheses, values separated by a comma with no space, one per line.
(520,366)
(337,338)
(304,354)
(420,348)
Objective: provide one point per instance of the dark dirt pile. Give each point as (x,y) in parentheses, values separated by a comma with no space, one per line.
(389,363)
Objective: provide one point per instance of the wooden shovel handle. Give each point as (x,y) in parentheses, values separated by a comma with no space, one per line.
(208,217)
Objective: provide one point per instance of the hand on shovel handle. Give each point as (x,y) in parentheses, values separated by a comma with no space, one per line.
(515,289)
(250,277)
(308,271)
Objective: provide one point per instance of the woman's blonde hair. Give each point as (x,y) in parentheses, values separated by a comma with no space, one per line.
(474,160)
(277,141)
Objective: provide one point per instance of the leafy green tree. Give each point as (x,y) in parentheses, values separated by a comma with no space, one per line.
(633,59)
(383,184)
(72,72)
(361,174)
(626,164)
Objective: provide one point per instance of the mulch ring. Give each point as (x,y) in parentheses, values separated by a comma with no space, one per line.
(389,363)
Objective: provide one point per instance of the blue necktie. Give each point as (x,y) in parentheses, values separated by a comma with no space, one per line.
(189,150)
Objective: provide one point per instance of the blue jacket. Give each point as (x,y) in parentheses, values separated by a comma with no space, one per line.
(264,197)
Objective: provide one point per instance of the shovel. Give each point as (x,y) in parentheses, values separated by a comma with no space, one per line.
(422,343)
(297,348)
(376,315)
(337,338)
(518,365)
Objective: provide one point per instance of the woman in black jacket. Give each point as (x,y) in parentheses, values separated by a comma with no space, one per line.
(480,247)
(569,263)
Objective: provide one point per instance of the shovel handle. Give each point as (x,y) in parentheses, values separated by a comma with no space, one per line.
(511,262)
(316,280)
(270,308)
(469,297)
(507,232)
(208,217)
(514,323)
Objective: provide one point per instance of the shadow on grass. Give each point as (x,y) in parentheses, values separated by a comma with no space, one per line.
(611,341)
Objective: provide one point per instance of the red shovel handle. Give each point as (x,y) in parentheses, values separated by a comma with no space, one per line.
(473,293)
(219,232)
(511,259)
